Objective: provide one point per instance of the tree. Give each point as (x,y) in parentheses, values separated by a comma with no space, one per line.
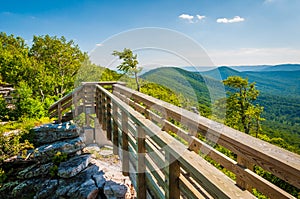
(15,63)
(241,111)
(129,64)
(60,59)
(27,105)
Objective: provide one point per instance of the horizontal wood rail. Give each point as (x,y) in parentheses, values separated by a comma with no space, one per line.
(160,166)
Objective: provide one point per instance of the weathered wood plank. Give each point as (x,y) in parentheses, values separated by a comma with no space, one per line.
(172,190)
(156,172)
(155,155)
(108,119)
(155,191)
(125,158)
(115,130)
(189,190)
(141,166)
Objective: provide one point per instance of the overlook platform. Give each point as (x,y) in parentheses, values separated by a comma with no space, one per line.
(160,148)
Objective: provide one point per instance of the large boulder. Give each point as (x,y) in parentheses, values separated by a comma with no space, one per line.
(81,176)
(46,152)
(55,132)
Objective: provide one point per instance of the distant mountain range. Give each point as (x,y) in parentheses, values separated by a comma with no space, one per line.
(269,80)
(275,80)
(281,67)
(279,88)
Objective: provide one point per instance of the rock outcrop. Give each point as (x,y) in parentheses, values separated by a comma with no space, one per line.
(78,174)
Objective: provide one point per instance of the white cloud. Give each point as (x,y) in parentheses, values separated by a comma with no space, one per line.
(99,44)
(200,17)
(235,19)
(191,18)
(187,17)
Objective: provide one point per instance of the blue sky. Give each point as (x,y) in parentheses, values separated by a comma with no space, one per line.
(232,32)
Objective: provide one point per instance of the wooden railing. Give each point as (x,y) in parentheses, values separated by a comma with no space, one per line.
(80,97)
(163,167)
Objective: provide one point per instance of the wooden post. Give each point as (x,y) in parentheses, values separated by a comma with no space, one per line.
(100,107)
(59,112)
(115,130)
(108,119)
(141,165)
(125,153)
(87,119)
(103,117)
(96,102)
(172,173)
(239,181)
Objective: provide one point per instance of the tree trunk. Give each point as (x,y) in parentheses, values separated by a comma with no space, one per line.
(137,81)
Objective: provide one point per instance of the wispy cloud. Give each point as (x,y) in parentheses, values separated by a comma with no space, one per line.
(235,19)
(200,17)
(192,19)
(99,44)
(187,17)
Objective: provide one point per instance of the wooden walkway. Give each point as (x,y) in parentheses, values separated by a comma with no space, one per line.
(159,165)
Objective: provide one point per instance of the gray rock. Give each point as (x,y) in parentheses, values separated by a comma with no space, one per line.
(88,190)
(114,190)
(46,152)
(26,189)
(47,189)
(87,173)
(69,186)
(73,166)
(54,132)
(35,170)
(99,180)
(6,189)
(65,187)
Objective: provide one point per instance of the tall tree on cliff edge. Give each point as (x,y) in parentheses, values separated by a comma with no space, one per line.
(129,64)
(241,111)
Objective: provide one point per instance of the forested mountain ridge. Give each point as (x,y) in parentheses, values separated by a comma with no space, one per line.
(279,94)
(274,82)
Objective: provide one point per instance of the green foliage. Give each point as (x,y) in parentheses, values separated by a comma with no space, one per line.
(13,137)
(60,60)
(241,112)
(192,86)
(258,194)
(89,72)
(15,62)
(277,181)
(25,104)
(178,138)
(57,159)
(48,67)
(129,64)
(3,176)
(53,170)
(162,93)
(4,112)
